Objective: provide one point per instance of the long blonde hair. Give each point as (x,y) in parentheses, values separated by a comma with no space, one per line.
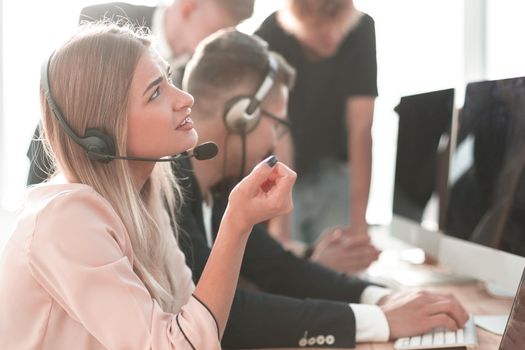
(90,77)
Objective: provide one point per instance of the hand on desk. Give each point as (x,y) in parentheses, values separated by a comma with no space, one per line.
(344,251)
(413,313)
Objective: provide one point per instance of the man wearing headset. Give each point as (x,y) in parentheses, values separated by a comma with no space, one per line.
(241,92)
(178,28)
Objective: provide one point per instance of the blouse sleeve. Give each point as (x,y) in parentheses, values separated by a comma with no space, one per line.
(78,255)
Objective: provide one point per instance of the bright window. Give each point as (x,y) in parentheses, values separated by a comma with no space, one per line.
(420,47)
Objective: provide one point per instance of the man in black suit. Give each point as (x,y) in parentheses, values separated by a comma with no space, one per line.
(241,92)
(178,28)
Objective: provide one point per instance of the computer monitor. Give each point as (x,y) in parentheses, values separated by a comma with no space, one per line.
(514,335)
(481,234)
(424,120)
(485,217)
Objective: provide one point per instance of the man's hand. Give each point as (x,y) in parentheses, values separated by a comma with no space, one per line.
(413,313)
(343,251)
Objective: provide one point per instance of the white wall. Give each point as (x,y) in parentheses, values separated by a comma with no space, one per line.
(29,40)
(420,47)
(3,143)
(505,39)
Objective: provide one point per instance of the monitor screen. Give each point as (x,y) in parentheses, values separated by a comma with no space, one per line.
(486,199)
(514,336)
(423,120)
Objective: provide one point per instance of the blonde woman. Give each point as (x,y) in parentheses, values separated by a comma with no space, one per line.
(93,262)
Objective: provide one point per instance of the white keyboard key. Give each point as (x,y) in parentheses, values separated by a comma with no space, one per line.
(439,337)
(404,341)
(415,341)
(450,337)
(460,338)
(427,339)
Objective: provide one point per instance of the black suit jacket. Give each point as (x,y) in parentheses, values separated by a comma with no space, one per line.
(120,12)
(299,297)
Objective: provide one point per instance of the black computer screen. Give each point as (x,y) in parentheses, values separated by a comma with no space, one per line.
(487,179)
(514,336)
(423,120)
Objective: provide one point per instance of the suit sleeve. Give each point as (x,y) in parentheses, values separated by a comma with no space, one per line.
(263,320)
(273,269)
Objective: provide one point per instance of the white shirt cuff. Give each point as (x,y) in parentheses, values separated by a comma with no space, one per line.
(372,294)
(370,323)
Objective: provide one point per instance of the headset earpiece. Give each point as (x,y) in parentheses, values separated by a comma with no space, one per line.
(99,145)
(236,118)
(243,113)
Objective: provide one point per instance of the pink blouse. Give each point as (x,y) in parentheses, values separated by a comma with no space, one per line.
(67,282)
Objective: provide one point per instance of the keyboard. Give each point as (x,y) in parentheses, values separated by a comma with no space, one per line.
(441,338)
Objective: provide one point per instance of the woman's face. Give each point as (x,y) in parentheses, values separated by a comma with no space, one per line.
(159,121)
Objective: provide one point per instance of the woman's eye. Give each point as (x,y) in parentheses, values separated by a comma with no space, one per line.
(155,94)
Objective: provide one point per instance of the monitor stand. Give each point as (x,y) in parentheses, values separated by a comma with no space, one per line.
(492,323)
(499,292)
(395,272)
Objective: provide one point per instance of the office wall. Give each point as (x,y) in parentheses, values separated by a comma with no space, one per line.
(420,47)
(3,144)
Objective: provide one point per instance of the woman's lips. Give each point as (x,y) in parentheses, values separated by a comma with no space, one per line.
(186,124)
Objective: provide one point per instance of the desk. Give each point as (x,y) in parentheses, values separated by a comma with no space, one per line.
(472,295)
(475,299)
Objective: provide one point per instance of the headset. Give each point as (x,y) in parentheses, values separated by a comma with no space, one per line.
(99,145)
(243,113)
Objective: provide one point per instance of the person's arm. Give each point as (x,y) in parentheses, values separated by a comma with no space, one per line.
(268,321)
(359,116)
(254,315)
(264,193)
(275,270)
(281,227)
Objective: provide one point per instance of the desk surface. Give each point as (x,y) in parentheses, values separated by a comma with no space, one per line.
(472,295)
(476,300)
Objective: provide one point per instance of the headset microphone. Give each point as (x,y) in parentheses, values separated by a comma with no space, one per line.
(204,151)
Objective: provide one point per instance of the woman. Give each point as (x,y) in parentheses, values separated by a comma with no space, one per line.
(93,262)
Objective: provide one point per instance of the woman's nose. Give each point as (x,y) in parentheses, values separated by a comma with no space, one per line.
(182,99)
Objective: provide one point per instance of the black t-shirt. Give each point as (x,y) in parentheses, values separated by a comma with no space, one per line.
(317,102)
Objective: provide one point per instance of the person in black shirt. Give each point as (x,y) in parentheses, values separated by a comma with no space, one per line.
(241,91)
(332,46)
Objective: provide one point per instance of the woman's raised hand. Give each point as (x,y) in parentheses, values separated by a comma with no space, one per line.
(263,194)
